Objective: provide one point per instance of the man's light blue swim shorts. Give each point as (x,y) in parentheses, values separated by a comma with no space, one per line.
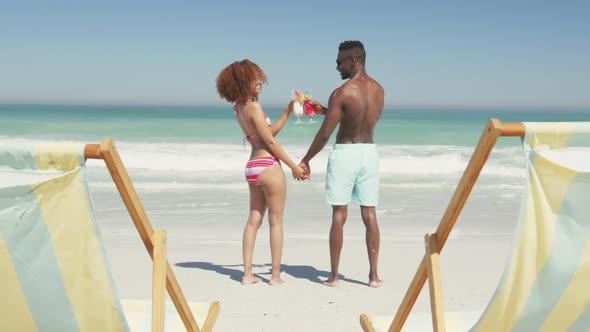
(353,175)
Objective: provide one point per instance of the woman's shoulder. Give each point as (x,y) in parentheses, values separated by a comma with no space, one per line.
(252,107)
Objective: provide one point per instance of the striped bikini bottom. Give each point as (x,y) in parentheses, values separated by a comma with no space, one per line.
(255,166)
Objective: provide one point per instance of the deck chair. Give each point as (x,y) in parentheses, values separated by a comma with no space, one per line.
(546,281)
(54,274)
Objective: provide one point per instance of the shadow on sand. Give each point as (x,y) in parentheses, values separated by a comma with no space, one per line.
(235,271)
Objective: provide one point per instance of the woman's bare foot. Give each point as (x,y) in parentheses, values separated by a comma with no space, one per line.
(275,281)
(332,282)
(375,283)
(249,280)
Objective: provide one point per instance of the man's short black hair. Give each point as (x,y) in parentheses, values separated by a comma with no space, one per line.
(350,44)
(356,46)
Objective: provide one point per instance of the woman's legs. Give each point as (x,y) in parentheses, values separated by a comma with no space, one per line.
(257,209)
(272,180)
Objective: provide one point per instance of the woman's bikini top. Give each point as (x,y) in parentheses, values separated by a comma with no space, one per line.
(248,137)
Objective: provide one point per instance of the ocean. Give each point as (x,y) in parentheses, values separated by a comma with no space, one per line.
(187,164)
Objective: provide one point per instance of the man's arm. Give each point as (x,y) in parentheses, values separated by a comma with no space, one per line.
(318,108)
(333,113)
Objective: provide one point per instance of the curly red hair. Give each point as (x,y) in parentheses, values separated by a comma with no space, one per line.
(234,82)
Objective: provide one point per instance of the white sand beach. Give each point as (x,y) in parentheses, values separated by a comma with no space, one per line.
(206,258)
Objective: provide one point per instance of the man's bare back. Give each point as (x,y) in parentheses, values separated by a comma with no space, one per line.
(361,102)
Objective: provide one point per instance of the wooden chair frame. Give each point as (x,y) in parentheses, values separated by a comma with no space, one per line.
(429,266)
(155,244)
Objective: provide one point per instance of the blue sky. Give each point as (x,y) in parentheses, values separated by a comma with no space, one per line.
(444,53)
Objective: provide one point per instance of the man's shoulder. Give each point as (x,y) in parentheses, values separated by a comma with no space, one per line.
(346,86)
(339,91)
(374,81)
(353,85)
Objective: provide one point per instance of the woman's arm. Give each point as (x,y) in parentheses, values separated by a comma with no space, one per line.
(280,122)
(255,114)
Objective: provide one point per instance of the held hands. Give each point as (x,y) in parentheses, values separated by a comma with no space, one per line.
(306,168)
(299,173)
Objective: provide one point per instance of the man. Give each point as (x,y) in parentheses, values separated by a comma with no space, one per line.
(353,165)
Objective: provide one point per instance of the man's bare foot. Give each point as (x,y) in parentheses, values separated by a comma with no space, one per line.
(331,282)
(250,280)
(275,281)
(375,283)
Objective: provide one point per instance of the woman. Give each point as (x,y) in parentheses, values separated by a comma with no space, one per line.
(240,83)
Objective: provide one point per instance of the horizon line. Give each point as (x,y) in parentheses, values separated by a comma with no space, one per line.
(497,107)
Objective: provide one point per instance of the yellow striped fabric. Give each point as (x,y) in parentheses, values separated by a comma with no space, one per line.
(546,283)
(53,268)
